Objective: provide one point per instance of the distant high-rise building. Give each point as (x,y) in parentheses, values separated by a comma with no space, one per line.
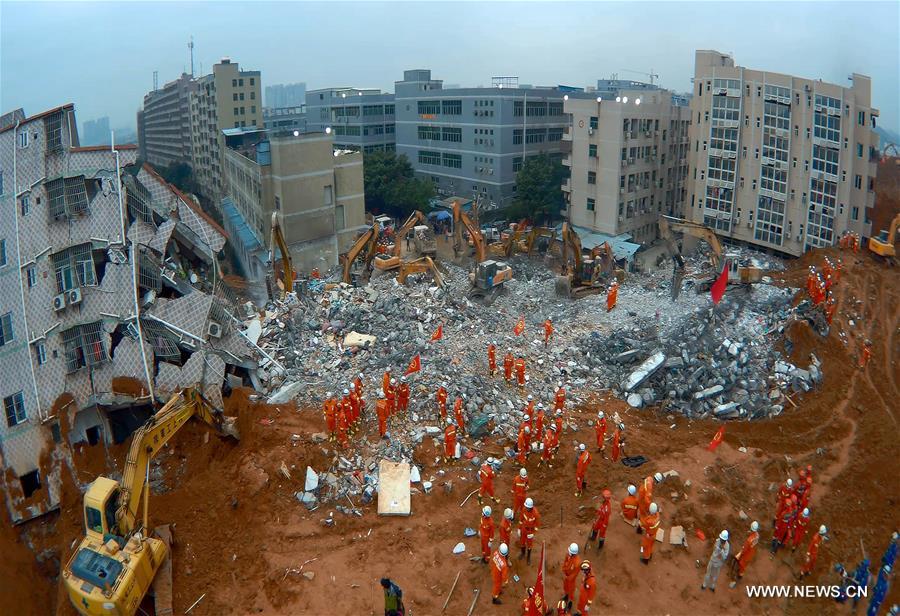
(285,95)
(628,161)
(470,141)
(96,132)
(360,118)
(226,98)
(778,161)
(164,124)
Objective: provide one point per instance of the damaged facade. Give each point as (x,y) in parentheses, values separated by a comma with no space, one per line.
(108,297)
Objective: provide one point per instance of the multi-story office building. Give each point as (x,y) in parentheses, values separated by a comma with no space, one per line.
(471,141)
(107,299)
(285,95)
(164,123)
(778,161)
(628,161)
(283,120)
(317,191)
(360,119)
(226,98)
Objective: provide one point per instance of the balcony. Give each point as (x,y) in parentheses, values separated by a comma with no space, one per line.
(567,185)
(567,134)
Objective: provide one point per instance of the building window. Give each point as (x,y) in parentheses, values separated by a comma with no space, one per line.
(6,329)
(234,83)
(328,195)
(25,205)
(451,107)
(2,253)
(429,133)
(339,222)
(429,107)
(40,353)
(861,118)
(590,205)
(429,158)
(236,111)
(592,150)
(234,97)
(594,122)
(252,94)
(83,346)
(857,181)
(31,276)
(517,136)
(23,138)
(854,213)
(253,109)
(252,81)
(241,82)
(452,160)
(517,164)
(74,267)
(452,134)
(592,177)
(553,135)
(15,409)
(67,197)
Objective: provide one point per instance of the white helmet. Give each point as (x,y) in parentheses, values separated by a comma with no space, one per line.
(360,375)
(527,417)
(549,318)
(486,511)
(490,460)
(346,392)
(790,482)
(559,385)
(823,529)
(540,406)
(523,472)
(529,503)
(509,349)
(581,447)
(527,430)
(658,477)
(508,513)
(654,507)
(559,413)
(805,512)
(553,427)
(381,395)
(530,397)
(573,549)
(403,379)
(723,535)
(328,394)
(632,490)
(504,550)
(754,526)
(393,381)
(600,415)
(352,387)
(494,343)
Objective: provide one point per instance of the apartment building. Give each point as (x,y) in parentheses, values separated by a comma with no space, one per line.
(361,119)
(282,95)
(284,120)
(164,123)
(628,161)
(317,191)
(227,98)
(470,141)
(780,162)
(108,300)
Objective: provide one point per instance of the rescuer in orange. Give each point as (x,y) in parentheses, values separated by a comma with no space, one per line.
(358,383)
(539,419)
(782,498)
(486,475)
(799,527)
(459,415)
(601,523)
(588,588)
(865,353)
(547,451)
(499,572)
(523,443)
(391,396)
(403,395)
(386,381)
(570,568)
(645,492)
(442,402)
(581,466)
(486,532)
(505,531)
(600,431)
(649,523)
(528,526)
(618,446)
(329,410)
(560,399)
(548,330)
(381,410)
(342,426)
(783,522)
(355,404)
(508,362)
(812,552)
(449,441)
(520,491)
(630,506)
(742,559)
(559,422)
(520,371)
(492,358)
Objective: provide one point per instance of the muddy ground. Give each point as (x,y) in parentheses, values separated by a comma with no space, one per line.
(242,537)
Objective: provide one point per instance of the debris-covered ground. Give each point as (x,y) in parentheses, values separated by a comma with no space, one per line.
(247,545)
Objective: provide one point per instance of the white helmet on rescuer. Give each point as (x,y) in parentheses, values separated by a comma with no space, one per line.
(486,512)
(654,507)
(573,549)
(523,472)
(632,490)
(508,513)
(504,550)
(723,535)
(529,503)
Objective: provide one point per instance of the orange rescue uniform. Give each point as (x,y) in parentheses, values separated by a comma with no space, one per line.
(505,531)
(486,474)
(520,493)
(602,521)
(458,413)
(486,531)
(630,507)
(403,396)
(600,429)
(508,362)
(649,523)
(746,554)
(528,526)
(812,553)
(330,411)
(581,469)
(450,441)
(381,410)
(492,359)
(588,591)
(520,371)
(442,401)
(617,437)
(570,568)
(645,495)
(560,400)
(548,331)
(499,573)
(386,383)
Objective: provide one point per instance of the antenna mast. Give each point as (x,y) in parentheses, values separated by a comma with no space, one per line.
(191,47)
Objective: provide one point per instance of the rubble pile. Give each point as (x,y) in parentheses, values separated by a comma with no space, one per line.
(650,349)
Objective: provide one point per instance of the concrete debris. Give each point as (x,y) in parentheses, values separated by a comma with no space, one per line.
(677,536)
(312,480)
(459,548)
(644,371)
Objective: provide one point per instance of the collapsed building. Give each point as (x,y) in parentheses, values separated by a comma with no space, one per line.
(110,300)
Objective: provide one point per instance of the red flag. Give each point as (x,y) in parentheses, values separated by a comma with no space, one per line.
(414,366)
(520,326)
(717,439)
(438,333)
(718,288)
(539,602)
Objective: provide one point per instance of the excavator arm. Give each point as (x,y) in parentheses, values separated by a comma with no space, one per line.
(423,264)
(152,437)
(460,221)
(367,241)
(287,267)
(571,243)
(668,226)
(416,218)
(509,247)
(883,243)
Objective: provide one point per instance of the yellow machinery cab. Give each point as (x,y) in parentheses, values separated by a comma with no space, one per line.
(107,574)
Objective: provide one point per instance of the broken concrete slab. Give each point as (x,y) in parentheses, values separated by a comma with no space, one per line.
(644,371)
(312,480)
(287,392)
(393,488)
(356,339)
(709,392)
(677,536)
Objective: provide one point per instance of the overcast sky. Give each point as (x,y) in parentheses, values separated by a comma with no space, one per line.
(101,56)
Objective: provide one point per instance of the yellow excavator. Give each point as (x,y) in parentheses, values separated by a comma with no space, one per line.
(367,242)
(489,275)
(582,277)
(668,226)
(286,281)
(508,246)
(118,558)
(536,233)
(391,260)
(883,245)
(416,266)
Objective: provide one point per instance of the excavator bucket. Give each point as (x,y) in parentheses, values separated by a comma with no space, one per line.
(228,427)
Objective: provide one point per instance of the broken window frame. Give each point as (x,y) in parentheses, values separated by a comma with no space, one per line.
(163,341)
(74,264)
(53,129)
(67,197)
(83,346)
(138,200)
(149,273)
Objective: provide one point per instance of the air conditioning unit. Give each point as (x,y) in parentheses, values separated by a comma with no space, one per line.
(59,302)
(74,296)
(749,225)
(214,329)
(621,190)
(590,131)
(631,160)
(490,172)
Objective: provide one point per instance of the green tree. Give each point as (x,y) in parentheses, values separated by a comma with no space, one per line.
(391,186)
(181,175)
(539,195)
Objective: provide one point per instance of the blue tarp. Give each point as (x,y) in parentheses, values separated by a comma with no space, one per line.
(440,215)
(621,247)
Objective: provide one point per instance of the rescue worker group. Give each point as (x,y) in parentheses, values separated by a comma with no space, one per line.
(543,426)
